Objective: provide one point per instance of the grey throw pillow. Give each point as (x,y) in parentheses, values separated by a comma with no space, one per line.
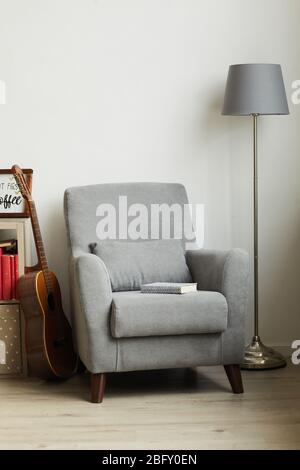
(131,264)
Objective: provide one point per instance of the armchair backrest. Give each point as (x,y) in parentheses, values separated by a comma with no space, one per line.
(85,206)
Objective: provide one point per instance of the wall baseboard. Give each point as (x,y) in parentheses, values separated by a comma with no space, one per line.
(284,349)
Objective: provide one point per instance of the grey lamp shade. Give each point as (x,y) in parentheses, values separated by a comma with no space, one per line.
(255,89)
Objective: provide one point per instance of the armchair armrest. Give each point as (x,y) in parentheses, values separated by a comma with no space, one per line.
(91,298)
(226,272)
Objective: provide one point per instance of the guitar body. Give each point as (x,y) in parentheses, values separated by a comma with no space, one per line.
(48,334)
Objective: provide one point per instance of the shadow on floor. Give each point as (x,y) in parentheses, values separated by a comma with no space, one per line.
(143,382)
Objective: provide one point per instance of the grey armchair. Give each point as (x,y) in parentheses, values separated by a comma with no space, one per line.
(163,331)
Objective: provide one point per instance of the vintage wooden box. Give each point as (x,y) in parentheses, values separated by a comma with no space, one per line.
(12,354)
(12,344)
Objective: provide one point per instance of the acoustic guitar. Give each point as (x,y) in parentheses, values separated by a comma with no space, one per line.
(48,335)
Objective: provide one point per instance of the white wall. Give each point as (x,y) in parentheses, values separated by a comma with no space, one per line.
(129,90)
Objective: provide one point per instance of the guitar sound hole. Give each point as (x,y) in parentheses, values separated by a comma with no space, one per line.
(51,301)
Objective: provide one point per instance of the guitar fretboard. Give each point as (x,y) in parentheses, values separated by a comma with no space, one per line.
(40,246)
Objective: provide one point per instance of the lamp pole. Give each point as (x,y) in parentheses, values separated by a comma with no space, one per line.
(255,223)
(257,355)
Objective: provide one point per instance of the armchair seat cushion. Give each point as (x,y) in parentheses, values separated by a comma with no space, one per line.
(134,314)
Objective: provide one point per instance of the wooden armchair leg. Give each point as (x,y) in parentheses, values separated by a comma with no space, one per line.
(235,378)
(97,387)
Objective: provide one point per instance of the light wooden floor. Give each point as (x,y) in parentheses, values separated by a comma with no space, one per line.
(179,409)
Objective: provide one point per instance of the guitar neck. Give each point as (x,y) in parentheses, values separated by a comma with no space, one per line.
(39,244)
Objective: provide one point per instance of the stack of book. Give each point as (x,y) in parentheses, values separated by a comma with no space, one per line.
(9,269)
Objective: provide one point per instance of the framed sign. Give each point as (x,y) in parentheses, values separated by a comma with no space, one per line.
(12,203)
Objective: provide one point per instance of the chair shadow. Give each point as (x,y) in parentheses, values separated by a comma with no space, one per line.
(152,382)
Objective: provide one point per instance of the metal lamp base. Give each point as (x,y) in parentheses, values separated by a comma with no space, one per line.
(260,357)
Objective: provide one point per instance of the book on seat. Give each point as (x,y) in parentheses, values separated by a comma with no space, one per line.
(169,288)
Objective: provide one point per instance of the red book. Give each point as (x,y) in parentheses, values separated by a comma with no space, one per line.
(1,297)
(12,277)
(6,277)
(16,269)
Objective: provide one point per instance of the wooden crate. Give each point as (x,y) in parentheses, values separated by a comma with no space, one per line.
(12,339)
(12,353)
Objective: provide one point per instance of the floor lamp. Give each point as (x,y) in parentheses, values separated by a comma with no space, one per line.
(252,90)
